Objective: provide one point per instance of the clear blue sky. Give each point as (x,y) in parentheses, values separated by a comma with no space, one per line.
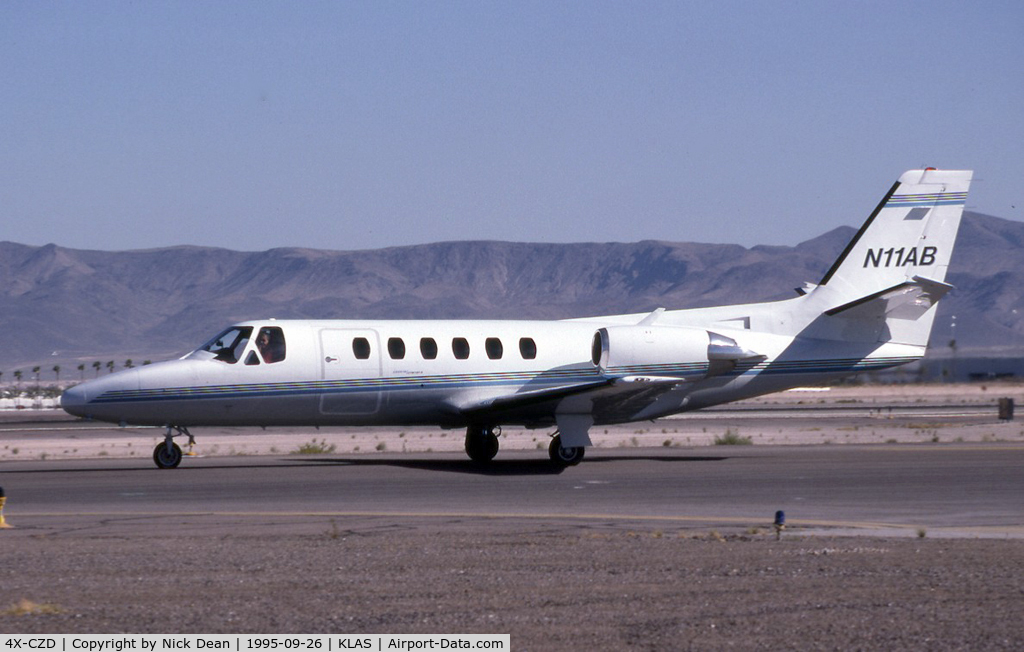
(355,125)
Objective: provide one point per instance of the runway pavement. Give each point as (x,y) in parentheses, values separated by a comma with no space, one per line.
(942,489)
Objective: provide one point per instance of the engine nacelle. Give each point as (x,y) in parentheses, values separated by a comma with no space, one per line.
(677,351)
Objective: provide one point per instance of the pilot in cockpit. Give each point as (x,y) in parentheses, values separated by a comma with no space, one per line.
(270,343)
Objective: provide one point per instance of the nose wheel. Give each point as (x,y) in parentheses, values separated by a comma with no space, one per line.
(167,454)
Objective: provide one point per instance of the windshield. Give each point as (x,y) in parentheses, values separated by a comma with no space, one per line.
(229,345)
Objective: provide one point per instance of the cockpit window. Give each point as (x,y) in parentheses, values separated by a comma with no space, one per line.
(229,345)
(270,343)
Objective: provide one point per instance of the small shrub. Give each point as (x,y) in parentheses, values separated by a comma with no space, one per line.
(732,438)
(314,447)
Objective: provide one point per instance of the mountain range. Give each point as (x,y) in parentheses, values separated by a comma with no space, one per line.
(68,306)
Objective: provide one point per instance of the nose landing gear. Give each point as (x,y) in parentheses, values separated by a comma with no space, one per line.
(167,454)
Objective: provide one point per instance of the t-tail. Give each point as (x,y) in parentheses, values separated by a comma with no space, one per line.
(885,284)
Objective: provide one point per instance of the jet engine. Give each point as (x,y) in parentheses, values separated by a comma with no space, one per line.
(676,351)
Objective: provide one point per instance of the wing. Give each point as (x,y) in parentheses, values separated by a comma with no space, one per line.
(574,408)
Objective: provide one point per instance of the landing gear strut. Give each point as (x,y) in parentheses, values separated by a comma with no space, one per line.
(564,456)
(482,443)
(167,454)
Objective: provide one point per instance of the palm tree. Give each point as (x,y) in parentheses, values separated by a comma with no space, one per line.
(81,371)
(35,370)
(128,364)
(110,365)
(17,375)
(96,365)
(56,371)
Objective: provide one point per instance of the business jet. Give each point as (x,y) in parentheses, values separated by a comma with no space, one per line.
(873,309)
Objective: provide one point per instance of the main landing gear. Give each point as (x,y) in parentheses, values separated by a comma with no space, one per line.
(482,443)
(167,454)
(564,456)
(482,446)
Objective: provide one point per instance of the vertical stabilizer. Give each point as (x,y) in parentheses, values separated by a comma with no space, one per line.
(893,271)
(911,233)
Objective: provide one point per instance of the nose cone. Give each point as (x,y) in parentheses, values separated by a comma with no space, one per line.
(96,399)
(73,400)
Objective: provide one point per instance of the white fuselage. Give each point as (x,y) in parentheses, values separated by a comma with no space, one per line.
(445,373)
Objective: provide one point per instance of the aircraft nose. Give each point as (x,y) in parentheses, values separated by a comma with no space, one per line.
(73,400)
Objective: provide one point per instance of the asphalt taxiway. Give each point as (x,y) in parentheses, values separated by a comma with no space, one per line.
(942,489)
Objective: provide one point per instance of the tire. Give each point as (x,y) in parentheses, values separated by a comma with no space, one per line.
(165,459)
(565,456)
(481,446)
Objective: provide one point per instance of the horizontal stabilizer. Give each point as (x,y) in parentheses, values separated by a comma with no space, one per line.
(908,300)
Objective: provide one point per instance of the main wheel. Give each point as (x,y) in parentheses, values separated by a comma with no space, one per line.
(167,459)
(481,444)
(565,456)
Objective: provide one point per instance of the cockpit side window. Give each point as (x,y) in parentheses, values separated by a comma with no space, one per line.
(229,345)
(270,343)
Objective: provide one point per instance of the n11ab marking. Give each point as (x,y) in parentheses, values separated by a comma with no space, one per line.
(893,257)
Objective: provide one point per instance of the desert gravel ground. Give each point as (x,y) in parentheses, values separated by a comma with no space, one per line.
(551,587)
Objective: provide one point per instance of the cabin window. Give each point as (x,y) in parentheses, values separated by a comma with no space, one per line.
(428,348)
(527,348)
(252,359)
(396,348)
(229,345)
(460,347)
(270,344)
(494,348)
(361,348)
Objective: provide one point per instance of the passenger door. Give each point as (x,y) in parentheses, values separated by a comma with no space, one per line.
(350,361)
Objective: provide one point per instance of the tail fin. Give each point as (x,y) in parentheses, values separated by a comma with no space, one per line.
(894,269)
